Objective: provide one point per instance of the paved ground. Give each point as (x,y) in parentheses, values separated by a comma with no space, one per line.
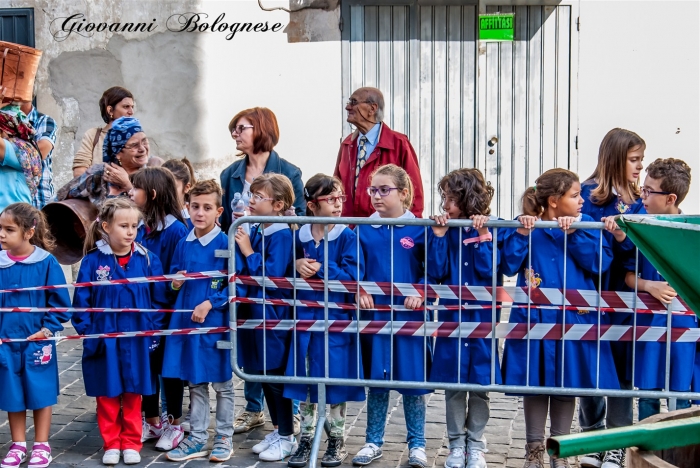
(76,441)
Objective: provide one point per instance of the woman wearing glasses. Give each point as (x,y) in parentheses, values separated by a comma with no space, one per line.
(256,133)
(125,151)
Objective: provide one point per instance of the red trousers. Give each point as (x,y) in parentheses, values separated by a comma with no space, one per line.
(119,420)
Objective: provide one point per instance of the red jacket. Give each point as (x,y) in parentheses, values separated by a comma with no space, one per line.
(392,148)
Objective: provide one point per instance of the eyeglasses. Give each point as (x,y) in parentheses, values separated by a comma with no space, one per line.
(257,198)
(646,192)
(143,143)
(354,102)
(383,191)
(331,200)
(239,129)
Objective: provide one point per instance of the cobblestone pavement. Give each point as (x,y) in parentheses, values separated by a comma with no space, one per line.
(75,438)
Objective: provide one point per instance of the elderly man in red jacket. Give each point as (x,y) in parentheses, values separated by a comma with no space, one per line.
(371,145)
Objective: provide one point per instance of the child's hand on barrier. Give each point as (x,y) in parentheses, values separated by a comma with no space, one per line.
(440,220)
(413,302)
(201,311)
(479,221)
(612,227)
(565,223)
(177,284)
(307,267)
(366,301)
(243,241)
(661,290)
(528,223)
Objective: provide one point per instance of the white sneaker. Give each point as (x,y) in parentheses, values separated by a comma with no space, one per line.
(280,449)
(417,457)
(111,457)
(265,443)
(456,458)
(171,438)
(476,459)
(131,457)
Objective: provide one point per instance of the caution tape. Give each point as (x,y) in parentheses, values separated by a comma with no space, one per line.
(431,307)
(130,334)
(471,330)
(136,280)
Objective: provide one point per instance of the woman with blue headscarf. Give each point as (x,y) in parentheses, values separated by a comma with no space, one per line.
(124,152)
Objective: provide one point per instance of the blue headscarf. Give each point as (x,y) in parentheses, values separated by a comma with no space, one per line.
(122,129)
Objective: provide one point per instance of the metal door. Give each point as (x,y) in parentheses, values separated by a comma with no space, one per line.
(506,109)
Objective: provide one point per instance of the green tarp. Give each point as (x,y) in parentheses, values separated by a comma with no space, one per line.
(672,245)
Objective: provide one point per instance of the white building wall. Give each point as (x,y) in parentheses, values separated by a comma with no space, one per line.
(638,69)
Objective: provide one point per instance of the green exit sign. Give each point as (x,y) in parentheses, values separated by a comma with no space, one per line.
(497,27)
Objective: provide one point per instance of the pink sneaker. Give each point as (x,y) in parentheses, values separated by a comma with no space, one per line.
(41,456)
(15,457)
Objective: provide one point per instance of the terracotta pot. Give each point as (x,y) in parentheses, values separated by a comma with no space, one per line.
(69,221)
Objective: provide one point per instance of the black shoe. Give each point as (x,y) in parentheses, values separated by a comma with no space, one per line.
(335,452)
(301,456)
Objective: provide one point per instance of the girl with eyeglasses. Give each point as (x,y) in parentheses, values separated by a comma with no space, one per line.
(391,193)
(324,197)
(613,189)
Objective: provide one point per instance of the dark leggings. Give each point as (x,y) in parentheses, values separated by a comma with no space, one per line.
(150,404)
(280,408)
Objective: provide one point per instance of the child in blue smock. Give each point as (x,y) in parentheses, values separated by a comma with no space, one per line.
(266,351)
(160,230)
(196,358)
(665,187)
(391,192)
(555,197)
(184,181)
(324,197)
(117,371)
(28,370)
(469,257)
(611,190)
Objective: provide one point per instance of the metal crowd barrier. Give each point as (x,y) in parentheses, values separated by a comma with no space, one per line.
(520,297)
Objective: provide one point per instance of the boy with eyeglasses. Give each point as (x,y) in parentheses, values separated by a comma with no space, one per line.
(665,186)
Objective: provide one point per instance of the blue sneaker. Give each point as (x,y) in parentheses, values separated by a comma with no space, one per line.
(187,450)
(222,449)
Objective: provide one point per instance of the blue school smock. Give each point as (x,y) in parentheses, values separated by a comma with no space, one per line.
(614,278)
(411,353)
(476,269)
(343,265)
(112,366)
(163,243)
(195,358)
(253,344)
(29,371)
(582,262)
(650,359)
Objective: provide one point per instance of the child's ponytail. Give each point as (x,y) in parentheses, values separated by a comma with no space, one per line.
(553,183)
(107,213)
(26,217)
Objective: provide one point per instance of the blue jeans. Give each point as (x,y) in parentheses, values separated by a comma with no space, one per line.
(651,406)
(414,413)
(595,413)
(253,392)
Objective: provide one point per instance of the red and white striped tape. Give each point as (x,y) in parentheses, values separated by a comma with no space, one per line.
(513,294)
(132,334)
(517,331)
(140,279)
(386,307)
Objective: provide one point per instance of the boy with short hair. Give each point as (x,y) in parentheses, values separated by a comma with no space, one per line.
(195,358)
(665,187)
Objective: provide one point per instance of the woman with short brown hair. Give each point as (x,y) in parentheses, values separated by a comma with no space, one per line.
(256,133)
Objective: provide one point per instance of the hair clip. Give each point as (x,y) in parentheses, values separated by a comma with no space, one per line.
(534,187)
(306,193)
(34,223)
(97,220)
